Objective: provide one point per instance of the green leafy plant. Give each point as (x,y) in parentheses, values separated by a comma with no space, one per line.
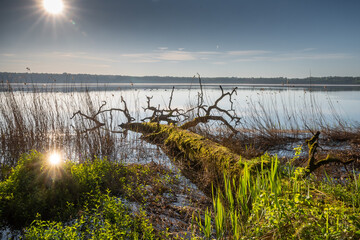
(109,218)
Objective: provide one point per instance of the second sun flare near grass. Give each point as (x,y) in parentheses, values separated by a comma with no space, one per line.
(55,159)
(53,6)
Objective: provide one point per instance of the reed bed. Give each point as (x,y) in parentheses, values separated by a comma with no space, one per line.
(40,118)
(279,123)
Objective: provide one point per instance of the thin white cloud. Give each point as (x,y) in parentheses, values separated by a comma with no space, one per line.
(323,56)
(97,65)
(295,57)
(209,53)
(162,56)
(144,60)
(139,58)
(169,55)
(308,49)
(247,52)
(218,57)
(135,55)
(177,56)
(21,61)
(85,56)
(7,54)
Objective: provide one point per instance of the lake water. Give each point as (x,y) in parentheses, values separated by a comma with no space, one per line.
(276,103)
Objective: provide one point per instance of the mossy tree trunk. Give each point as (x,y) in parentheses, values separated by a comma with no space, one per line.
(203,161)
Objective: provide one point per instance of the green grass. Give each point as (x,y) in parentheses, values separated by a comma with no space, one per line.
(279,203)
(90,201)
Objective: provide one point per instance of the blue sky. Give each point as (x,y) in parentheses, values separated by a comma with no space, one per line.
(243,38)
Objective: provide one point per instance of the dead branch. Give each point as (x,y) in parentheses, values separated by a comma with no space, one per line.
(173,116)
(169,115)
(209,111)
(206,119)
(94,117)
(200,96)
(313,164)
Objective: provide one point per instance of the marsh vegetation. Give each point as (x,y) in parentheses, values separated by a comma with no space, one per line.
(205,168)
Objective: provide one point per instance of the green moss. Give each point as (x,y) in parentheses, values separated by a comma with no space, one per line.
(211,158)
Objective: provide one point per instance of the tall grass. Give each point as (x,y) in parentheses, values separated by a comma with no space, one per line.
(278,203)
(41,120)
(286,115)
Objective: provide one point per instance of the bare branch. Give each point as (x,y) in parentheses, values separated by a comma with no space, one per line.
(101,125)
(171,96)
(170,116)
(209,111)
(206,119)
(312,163)
(200,96)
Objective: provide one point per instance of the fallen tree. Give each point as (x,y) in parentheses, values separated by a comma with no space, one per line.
(201,160)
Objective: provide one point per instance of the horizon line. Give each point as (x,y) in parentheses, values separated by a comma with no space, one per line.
(163,76)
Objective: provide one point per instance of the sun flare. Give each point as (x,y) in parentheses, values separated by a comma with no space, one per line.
(55,159)
(53,6)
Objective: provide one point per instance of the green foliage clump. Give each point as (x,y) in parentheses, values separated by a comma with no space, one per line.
(34,187)
(73,201)
(107,219)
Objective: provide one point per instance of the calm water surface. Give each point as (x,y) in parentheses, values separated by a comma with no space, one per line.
(275,101)
(285,108)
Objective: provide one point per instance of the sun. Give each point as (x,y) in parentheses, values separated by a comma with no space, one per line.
(55,159)
(53,6)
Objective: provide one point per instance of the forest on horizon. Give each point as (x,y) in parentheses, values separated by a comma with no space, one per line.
(7,77)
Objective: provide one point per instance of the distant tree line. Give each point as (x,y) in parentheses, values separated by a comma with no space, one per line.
(88,78)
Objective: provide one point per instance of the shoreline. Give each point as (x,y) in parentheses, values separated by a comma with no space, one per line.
(75,86)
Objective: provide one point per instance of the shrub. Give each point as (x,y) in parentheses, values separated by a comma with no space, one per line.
(73,201)
(35,186)
(108,219)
